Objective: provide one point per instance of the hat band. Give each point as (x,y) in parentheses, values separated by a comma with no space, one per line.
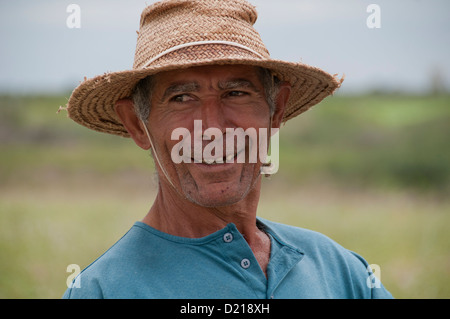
(190,44)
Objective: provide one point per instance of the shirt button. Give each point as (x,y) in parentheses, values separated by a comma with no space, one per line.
(228,237)
(245,263)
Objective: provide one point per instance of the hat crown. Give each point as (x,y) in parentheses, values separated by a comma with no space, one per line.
(169,24)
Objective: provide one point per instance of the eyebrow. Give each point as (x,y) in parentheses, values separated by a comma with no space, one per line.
(187,87)
(236,84)
(180,88)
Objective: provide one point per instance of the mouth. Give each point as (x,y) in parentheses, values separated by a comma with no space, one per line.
(211,161)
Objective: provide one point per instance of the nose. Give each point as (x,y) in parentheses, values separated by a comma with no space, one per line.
(213,115)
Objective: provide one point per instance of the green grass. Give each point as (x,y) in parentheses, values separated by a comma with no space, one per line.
(371,172)
(405,234)
(373,141)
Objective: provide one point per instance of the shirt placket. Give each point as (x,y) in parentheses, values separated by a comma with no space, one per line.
(240,256)
(283,259)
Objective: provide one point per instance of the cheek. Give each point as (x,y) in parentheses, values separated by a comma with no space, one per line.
(253,117)
(167,128)
(256,110)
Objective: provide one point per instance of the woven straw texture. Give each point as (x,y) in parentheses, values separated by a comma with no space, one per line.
(167,25)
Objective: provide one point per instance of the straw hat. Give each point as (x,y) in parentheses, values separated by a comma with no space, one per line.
(177,34)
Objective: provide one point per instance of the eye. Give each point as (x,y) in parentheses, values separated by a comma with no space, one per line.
(181,98)
(237,93)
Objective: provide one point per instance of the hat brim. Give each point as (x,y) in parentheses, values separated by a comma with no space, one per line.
(92,103)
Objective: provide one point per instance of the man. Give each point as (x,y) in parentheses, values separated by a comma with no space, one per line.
(201,69)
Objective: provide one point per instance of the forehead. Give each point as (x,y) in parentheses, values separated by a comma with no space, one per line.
(211,73)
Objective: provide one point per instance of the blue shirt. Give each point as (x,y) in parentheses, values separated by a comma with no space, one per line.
(147,263)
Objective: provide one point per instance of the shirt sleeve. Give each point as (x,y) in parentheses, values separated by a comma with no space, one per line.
(377,290)
(84,288)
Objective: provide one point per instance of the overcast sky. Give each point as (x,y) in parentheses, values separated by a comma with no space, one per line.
(38,52)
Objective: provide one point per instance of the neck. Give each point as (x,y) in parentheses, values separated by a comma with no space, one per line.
(175,215)
(178,216)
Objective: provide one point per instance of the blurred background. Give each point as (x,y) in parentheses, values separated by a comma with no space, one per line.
(368,167)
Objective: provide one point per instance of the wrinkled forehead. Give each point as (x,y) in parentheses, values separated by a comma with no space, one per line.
(217,74)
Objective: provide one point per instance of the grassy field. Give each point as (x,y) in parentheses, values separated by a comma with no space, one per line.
(371,172)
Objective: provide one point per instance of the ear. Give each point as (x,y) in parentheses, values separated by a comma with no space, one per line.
(280,103)
(125,111)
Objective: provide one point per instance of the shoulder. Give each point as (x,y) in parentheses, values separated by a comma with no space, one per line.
(312,244)
(304,239)
(112,269)
(337,264)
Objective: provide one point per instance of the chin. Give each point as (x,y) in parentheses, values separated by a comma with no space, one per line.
(217,196)
(220,190)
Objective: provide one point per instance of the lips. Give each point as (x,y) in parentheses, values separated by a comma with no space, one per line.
(217,160)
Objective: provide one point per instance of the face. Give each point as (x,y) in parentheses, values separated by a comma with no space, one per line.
(197,100)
